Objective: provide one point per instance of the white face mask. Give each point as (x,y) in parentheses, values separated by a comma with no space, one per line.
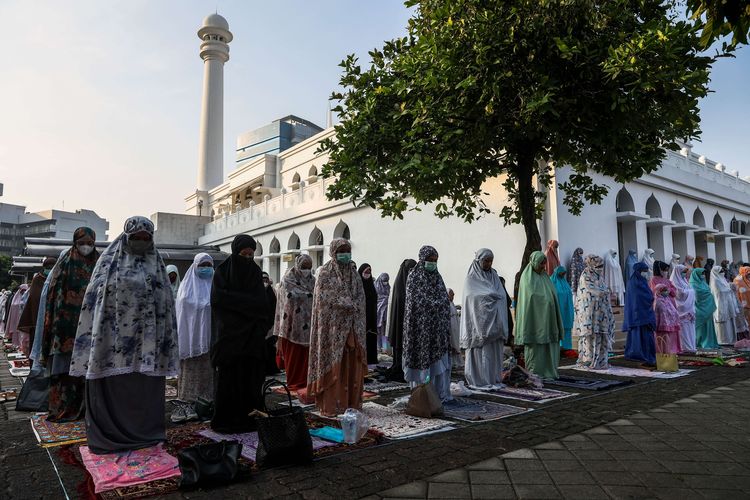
(85,249)
(644,274)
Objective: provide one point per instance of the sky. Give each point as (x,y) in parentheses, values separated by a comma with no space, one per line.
(100,100)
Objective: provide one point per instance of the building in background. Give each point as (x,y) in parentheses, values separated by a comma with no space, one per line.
(16,224)
(274,138)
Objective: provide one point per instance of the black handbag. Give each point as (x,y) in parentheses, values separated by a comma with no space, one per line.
(283,436)
(34,395)
(209,464)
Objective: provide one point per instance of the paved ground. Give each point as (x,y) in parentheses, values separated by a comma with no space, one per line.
(590,434)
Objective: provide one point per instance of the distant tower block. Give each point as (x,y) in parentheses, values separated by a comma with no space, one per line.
(215,36)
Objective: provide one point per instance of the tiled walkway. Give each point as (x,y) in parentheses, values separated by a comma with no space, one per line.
(697,447)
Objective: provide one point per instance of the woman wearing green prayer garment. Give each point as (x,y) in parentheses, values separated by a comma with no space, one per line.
(705,305)
(538,322)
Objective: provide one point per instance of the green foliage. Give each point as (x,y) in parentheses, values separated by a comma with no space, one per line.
(5,278)
(480,89)
(722,18)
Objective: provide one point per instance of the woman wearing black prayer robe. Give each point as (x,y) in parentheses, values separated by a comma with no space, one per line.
(371,313)
(240,319)
(396,320)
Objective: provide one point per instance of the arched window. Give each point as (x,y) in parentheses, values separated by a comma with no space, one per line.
(624,202)
(316,237)
(718,222)
(677,213)
(312,175)
(342,231)
(698,218)
(293,242)
(258,249)
(653,208)
(274,247)
(295,181)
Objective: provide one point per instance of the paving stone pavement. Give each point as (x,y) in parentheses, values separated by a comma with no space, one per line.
(696,447)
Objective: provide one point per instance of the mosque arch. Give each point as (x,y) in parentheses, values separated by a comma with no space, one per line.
(698,218)
(342,231)
(678,215)
(624,202)
(653,208)
(295,181)
(275,246)
(718,222)
(294,243)
(258,249)
(313,172)
(316,237)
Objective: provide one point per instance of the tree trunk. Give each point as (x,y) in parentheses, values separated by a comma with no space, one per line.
(526,205)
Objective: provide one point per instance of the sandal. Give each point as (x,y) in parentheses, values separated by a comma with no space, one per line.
(11,395)
(2,397)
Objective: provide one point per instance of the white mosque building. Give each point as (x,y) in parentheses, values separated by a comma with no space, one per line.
(691,205)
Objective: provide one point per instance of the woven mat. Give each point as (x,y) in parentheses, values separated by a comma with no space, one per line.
(50,434)
(383,387)
(20,372)
(397,425)
(477,410)
(530,395)
(622,371)
(587,384)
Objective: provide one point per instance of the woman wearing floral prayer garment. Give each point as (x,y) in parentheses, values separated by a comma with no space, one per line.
(484,323)
(575,269)
(383,289)
(685,304)
(594,321)
(553,259)
(396,312)
(62,308)
(640,321)
(726,308)
(338,361)
(567,309)
(705,305)
(241,316)
(743,290)
(193,307)
(427,326)
(126,344)
(371,313)
(539,325)
(667,335)
(293,318)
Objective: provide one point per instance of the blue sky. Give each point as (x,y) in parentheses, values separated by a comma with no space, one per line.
(101,100)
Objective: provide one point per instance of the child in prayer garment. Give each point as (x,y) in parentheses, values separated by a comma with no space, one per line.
(667,337)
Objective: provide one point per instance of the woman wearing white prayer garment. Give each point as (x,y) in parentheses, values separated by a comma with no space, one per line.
(726,307)
(613,276)
(193,307)
(484,323)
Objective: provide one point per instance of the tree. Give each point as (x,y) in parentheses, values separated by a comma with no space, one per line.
(723,17)
(482,89)
(5,278)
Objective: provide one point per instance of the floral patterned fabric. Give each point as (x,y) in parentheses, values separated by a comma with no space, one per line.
(338,309)
(383,287)
(427,321)
(294,304)
(685,301)
(742,281)
(575,269)
(594,322)
(127,322)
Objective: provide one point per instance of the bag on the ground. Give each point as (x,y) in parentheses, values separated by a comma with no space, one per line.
(34,394)
(209,464)
(424,402)
(355,425)
(665,362)
(283,436)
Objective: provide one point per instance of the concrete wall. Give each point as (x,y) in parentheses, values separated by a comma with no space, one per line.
(178,228)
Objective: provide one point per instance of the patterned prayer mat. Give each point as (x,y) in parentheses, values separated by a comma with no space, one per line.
(117,470)
(20,372)
(477,410)
(383,387)
(622,371)
(397,425)
(588,384)
(50,434)
(527,394)
(170,392)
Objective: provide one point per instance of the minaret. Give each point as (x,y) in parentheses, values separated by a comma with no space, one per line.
(215,37)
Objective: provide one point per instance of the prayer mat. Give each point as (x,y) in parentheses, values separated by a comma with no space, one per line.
(588,384)
(116,470)
(170,392)
(20,372)
(397,425)
(622,371)
(249,441)
(20,363)
(16,355)
(383,387)
(528,394)
(50,434)
(477,410)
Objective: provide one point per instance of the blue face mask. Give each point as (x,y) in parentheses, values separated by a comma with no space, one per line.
(430,266)
(344,258)
(205,272)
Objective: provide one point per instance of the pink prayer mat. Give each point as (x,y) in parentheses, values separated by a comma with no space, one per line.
(116,470)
